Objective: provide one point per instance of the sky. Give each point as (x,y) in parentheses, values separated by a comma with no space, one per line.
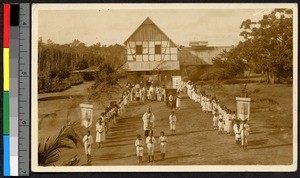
(220,27)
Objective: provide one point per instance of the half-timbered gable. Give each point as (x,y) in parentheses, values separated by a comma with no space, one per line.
(150,49)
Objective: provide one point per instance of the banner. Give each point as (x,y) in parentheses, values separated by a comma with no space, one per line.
(171,95)
(86,115)
(243,108)
(176,81)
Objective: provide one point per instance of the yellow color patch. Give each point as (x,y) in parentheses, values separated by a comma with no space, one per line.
(6,69)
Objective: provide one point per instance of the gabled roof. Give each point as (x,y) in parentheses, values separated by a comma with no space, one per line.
(148,21)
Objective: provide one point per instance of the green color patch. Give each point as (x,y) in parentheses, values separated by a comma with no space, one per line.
(6,113)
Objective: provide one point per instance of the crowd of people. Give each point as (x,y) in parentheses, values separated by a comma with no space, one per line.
(225,121)
(137,93)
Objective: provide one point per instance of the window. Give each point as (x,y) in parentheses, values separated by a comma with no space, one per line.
(157,49)
(139,49)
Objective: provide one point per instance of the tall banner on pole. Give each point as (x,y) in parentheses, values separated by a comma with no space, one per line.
(243,108)
(171,95)
(86,115)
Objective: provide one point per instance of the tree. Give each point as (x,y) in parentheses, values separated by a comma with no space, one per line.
(269,42)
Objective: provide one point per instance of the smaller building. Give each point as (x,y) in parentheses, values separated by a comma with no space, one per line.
(196,59)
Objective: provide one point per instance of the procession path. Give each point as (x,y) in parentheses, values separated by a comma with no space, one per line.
(195,142)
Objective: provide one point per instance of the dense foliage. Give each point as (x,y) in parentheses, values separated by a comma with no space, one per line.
(56,61)
(267,48)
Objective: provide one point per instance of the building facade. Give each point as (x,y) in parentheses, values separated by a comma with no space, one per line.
(151,55)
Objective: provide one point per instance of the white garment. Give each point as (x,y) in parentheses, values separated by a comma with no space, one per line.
(172,119)
(99,131)
(148,119)
(88,141)
(139,147)
(163,144)
(150,141)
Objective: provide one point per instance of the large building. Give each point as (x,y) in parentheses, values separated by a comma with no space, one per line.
(152,55)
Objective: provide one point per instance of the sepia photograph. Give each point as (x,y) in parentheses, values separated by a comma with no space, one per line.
(164,87)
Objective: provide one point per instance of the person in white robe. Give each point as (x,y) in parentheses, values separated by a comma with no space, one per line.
(152,93)
(139,144)
(148,119)
(178,101)
(226,121)
(230,123)
(163,145)
(88,141)
(172,121)
(245,128)
(100,131)
(237,132)
(221,124)
(150,141)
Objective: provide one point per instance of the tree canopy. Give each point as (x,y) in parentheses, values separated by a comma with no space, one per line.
(267,47)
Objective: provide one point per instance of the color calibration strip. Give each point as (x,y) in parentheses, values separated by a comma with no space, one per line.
(6,140)
(11,89)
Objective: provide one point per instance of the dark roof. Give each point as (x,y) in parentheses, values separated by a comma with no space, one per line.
(187,58)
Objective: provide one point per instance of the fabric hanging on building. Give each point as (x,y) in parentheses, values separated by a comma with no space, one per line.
(86,115)
(151,77)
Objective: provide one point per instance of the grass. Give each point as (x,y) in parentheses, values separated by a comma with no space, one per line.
(196,143)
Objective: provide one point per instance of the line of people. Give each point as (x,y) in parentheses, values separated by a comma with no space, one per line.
(106,120)
(224,119)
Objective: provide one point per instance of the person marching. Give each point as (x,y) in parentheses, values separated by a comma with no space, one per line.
(163,145)
(172,119)
(139,144)
(150,141)
(221,124)
(215,121)
(245,128)
(148,119)
(88,141)
(100,131)
(178,100)
(236,130)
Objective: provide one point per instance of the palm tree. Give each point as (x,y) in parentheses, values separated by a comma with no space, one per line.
(48,150)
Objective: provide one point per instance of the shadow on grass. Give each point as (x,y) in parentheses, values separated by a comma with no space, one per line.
(111,156)
(178,157)
(257,142)
(190,132)
(270,146)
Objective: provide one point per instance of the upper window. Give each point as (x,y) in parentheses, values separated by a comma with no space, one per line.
(139,49)
(157,49)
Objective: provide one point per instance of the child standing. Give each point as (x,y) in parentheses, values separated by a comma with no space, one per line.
(150,141)
(236,130)
(139,144)
(88,141)
(163,145)
(172,119)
